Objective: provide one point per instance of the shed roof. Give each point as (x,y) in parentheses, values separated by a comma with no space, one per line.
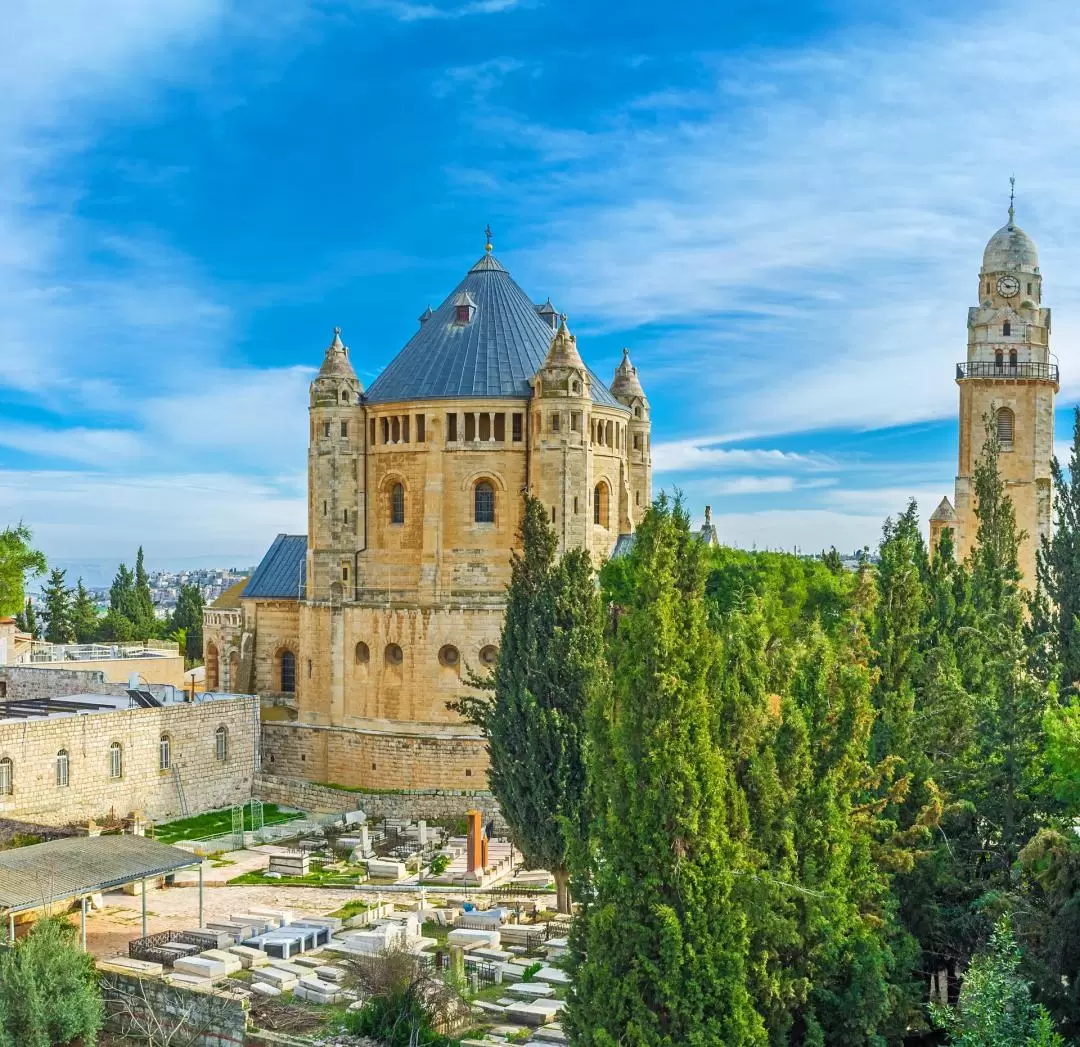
(281,572)
(493,355)
(69,868)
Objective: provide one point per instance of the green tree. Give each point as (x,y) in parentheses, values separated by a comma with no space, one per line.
(18,561)
(532,707)
(1056,607)
(48,989)
(27,620)
(145,619)
(661,955)
(84,614)
(995,1008)
(57,608)
(121,621)
(188,617)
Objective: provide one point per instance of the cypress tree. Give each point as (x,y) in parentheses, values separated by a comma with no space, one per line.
(532,707)
(58,609)
(188,616)
(27,620)
(84,614)
(661,954)
(145,620)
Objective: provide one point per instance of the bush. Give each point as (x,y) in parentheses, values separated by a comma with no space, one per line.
(439,864)
(48,990)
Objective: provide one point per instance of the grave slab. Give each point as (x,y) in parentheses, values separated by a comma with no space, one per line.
(265,989)
(250,957)
(531,990)
(200,968)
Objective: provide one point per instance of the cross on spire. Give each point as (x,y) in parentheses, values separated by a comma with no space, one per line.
(487,237)
(1012,198)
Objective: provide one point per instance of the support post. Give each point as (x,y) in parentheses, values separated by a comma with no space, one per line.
(143,892)
(82,920)
(202,923)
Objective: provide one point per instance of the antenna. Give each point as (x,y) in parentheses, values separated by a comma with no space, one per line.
(1012,198)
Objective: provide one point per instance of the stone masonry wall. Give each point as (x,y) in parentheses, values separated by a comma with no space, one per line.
(207,1019)
(372,759)
(208,783)
(430,804)
(33,681)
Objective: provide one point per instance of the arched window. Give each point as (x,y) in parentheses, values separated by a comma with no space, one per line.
(288,672)
(637,412)
(484,503)
(7,776)
(344,396)
(1006,328)
(116,760)
(449,656)
(221,743)
(63,765)
(164,753)
(393,655)
(999,358)
(212,673)
(363,654)
(1006,424)
(1012,357)
(397,504)
(600,504)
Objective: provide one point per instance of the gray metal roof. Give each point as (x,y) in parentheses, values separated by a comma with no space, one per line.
(58,869)
(281,572)
(492,356)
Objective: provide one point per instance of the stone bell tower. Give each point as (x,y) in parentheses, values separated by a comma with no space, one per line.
(1010,379)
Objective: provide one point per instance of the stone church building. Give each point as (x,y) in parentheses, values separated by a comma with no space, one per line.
(357,634)
(1011,378)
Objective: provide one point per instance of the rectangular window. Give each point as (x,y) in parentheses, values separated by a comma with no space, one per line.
(485,426)
(500,427)
(575,506)
(386,430)
(344,430)
(451,427)
(421,429)
(346,517)
(326,429)
(372,432)
(7,778)
(470,426)
(164,753)
(221,744)
(116,761)
(344,572)
(575,421)
(555,424)
(515,423)
(62,769)
(405,429)
(637,441)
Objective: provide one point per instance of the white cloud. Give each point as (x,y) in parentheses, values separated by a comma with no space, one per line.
(404,11)
(233,516)
(816,232)
(79,444)
(808,530)
(686,455)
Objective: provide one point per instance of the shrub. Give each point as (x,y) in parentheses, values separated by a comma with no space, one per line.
(439,864)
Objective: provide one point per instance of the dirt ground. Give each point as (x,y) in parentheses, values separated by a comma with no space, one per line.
(177,908)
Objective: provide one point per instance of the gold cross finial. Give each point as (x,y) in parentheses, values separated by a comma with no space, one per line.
(1012,198)
(487,237)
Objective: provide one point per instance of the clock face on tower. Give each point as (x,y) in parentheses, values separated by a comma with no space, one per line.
(1008,286)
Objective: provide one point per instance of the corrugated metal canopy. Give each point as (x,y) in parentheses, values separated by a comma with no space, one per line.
(493,355)
(282,571)
(69,868)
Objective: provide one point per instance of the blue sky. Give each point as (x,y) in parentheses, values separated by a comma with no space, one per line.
(780,208)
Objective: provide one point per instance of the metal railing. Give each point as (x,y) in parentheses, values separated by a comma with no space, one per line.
(990,369)
(42,651)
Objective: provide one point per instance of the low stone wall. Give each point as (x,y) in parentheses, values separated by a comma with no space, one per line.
(135,1006)
(430,804)
(47,681)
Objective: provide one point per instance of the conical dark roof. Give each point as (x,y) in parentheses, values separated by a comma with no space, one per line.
(495,354)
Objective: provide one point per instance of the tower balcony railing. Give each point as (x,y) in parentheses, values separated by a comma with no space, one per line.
(990,369)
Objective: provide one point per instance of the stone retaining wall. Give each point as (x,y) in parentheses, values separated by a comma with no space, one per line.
(430,804)
(207,1019)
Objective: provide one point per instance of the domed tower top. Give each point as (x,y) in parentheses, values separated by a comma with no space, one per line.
(1010,249)
(626,384)
(336,381)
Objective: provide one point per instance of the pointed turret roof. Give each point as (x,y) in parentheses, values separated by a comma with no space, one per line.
(495,355)
(336,362)
(563,350)
(626,383)
(944,513)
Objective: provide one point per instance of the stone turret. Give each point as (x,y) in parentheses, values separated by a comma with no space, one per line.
(626,388)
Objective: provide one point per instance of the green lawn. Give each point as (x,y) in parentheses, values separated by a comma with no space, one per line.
(351,909)
(214,823)
(315,878)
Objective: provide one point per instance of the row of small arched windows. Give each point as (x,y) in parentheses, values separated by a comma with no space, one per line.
(115,761)
(449,655)
(999,357)
(483,503)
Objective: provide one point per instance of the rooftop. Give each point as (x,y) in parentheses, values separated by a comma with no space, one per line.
(16,709)
(493,354)
(78,865)
(281,572)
